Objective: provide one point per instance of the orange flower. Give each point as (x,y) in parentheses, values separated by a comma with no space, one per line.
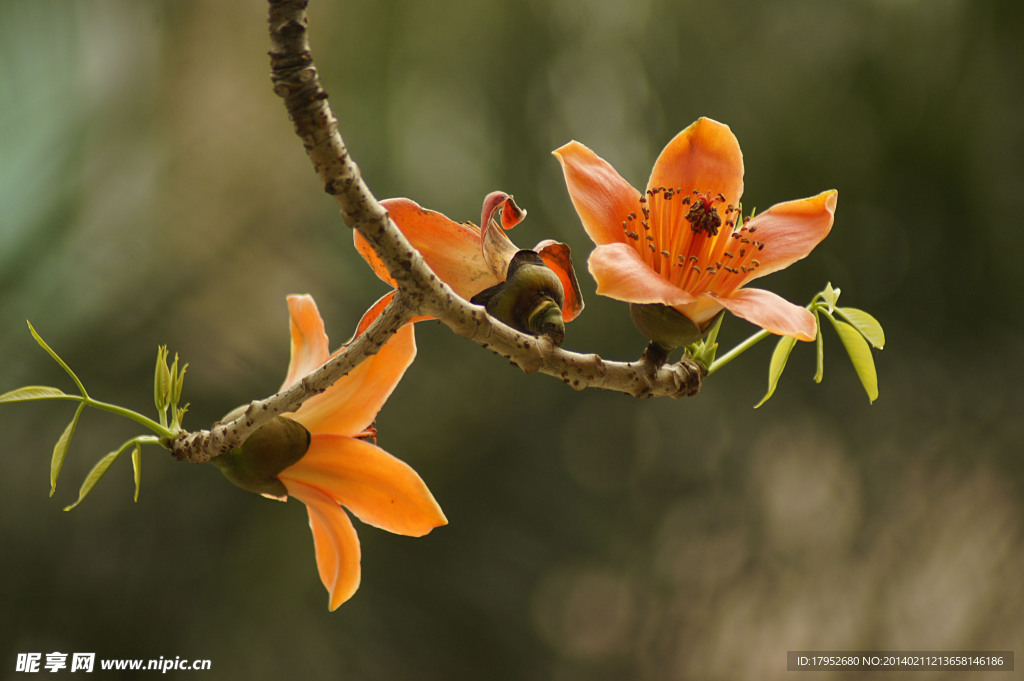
(468,258)
(341,466)
(683,243)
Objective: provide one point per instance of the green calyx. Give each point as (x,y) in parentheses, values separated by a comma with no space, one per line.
(666,326)
(529,300)
(255,465)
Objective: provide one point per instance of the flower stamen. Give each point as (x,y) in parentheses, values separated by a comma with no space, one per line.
(703,216)
(740,267)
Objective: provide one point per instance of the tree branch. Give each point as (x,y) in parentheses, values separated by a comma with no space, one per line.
(420,290)
(203,445)
(296,79)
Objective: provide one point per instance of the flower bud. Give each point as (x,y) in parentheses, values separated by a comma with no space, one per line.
(274,447)
(546,320)
(529,300)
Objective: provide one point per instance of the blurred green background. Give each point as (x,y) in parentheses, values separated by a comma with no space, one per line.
(152,191)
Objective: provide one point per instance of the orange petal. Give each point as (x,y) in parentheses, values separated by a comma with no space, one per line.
(352,403)
(364,249)
(495,246)
(558,257)
(705,157)
(791,230)
(375,311)
(601,197)
(335,542)
(620,273)
(702,309)
(309,340)
(378,488)
(451,249)
(496,249)
(771,312)
(510,213)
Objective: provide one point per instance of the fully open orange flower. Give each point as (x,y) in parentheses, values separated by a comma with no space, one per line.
(470,258)
(683,243)
(341,467)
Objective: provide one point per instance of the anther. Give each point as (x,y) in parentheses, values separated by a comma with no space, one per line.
(703,216)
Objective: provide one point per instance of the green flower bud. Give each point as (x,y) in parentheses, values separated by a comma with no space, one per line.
(529,300)
(254,466)
(546,320)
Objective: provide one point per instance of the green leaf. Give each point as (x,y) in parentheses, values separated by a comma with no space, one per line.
(704,351)
(97,472)
(60,451)
(173,380)
(865,324)
(830,296)
(179,383)
(137,469)
(779,358)
(57,359)
(819,372)
(860,354)
(712,337)
(31,392)
(161,381)
(179,415)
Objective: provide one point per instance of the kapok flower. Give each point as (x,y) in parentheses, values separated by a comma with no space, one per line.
(683,243)
(468,258)
(332,462)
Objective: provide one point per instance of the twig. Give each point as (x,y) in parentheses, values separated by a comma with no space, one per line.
(203,445)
